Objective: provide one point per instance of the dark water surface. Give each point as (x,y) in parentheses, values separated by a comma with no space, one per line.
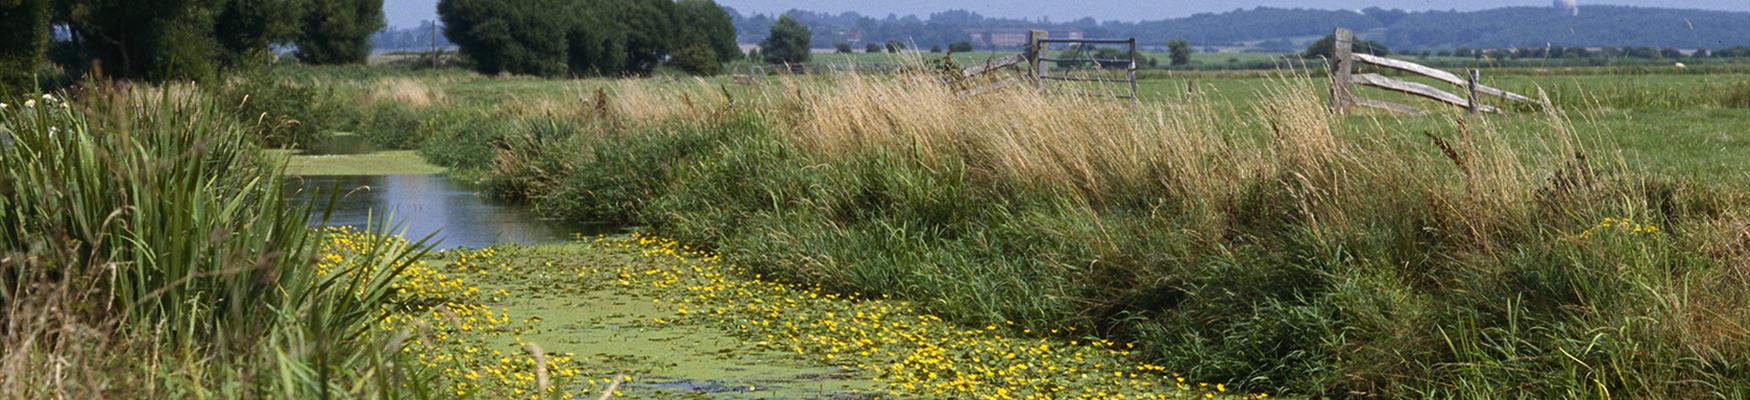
(425,204)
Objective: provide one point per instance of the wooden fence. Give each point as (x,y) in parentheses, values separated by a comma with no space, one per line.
(985,77)
(1343,80)
(1038,58)
(1081,55)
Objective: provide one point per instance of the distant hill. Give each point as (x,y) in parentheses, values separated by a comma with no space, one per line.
(1277,29)
(1594,26)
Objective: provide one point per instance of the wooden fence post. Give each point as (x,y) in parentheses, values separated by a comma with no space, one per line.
(1341,66)
(1134,98)
(435,53)
(1036,51)
(1475,76)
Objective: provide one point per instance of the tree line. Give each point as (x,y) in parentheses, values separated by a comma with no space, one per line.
(590,37)
(179,39)
(1279,29)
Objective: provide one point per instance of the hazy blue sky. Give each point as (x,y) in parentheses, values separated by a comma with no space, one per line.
(410,12)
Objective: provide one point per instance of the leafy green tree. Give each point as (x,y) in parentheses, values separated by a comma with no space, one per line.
(705,22)
(157,39)
(508,36)
(164,39)
(21,44)
(339,31)
(645,26)
(248,29)
(872,48)
(1179,51)
(788,42)
(960,47)
(697,59)
(593,48)
(842,48)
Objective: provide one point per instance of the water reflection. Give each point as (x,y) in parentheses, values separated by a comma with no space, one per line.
(425,204)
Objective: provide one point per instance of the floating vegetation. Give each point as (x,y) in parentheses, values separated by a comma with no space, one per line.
(911,353)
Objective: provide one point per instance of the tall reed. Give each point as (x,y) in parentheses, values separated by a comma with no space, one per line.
(148,253)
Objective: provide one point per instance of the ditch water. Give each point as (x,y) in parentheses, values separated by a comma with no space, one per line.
(419,205)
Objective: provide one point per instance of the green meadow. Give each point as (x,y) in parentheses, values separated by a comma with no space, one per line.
(882,235)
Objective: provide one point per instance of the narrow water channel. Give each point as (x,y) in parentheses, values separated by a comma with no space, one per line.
(418,205)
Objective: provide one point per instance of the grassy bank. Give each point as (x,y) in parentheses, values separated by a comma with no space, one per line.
(1277,250)
(149,252)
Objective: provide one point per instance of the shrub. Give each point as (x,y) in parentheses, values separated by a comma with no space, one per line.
(463,139)
(697,59)
(1179,51)
(290,114)
(391,125)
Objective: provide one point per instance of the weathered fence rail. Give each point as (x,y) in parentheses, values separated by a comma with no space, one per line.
(981,78)
(1343,80)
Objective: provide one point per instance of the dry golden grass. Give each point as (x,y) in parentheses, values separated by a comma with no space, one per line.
(1200,150)
(1088,146)
(408,91)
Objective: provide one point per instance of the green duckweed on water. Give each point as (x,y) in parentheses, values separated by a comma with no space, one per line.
(394,162)
(679,323)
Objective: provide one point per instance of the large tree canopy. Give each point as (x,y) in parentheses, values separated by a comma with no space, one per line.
(178,39)
(589,37)
(21,44)
(250,28)
(153,39)
(648,26)
(703,22)
(508,36)
(339,31)
(788,42)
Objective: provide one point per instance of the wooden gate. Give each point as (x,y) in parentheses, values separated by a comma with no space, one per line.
(1083,62)
(1343,80)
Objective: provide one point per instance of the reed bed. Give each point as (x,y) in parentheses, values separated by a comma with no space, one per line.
(147,253)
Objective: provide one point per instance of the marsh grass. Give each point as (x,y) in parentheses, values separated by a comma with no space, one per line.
(1278,249)
(147,254)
